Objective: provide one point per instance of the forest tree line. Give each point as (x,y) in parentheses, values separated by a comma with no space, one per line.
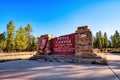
(17,40)
(101,40)
(22,40)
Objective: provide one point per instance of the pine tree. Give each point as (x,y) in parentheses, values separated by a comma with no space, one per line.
(34,44)
(101,39)
(28,30)
(2,40)
(98,40)
(116,40)
(21,39)
(106,41)
(10,36)
(31,43)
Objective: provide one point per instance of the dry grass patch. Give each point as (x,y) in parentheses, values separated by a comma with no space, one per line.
(103,58)
(102,55)
(15,56)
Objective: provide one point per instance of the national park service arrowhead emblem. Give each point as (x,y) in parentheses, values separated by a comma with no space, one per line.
(42,42)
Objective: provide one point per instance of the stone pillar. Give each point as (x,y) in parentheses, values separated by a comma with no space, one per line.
(83,42)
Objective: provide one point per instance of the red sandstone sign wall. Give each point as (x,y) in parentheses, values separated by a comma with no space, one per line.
(78,43)
(64,44)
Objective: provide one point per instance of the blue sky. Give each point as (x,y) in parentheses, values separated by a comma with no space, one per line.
(59,17)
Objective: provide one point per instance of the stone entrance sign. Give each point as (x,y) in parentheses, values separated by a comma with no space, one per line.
(78,43)
(76,48)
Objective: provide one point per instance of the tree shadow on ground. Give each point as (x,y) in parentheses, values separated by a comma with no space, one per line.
(36,70)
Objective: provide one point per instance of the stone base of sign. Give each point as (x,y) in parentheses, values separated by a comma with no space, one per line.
(70,59)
